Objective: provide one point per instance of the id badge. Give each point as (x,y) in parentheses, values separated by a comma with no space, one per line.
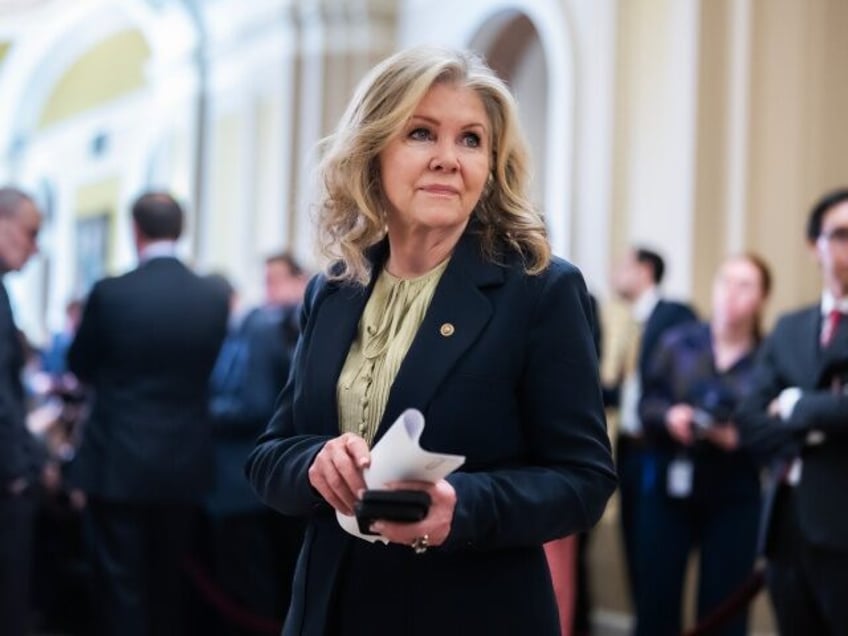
(680,478)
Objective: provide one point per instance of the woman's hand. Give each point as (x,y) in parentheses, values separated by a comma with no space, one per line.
(678,421)
(435,526)
(336,472)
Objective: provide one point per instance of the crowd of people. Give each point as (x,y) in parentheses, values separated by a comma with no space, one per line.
(729,441)
(129,470)
(192,456)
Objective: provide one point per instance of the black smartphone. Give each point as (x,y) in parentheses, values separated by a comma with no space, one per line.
(405,506)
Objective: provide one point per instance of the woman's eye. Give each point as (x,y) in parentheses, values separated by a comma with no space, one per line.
(420,134)
(470,139)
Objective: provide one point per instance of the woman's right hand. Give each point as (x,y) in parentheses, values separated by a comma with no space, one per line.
(678,421)
(336,472)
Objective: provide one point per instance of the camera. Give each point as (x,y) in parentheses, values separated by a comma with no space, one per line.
(702,420)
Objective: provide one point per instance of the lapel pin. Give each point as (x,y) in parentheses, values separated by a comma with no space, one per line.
(447,330)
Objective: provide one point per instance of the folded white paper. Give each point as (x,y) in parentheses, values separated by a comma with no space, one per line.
(399,457)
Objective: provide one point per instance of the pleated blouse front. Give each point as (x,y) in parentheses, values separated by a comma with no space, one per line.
(391,319)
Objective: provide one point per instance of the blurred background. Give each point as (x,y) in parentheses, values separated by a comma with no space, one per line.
(698,128)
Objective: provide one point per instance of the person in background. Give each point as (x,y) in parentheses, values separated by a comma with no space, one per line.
(444,298)
(20,221)
(54,358)
(795,418)
(253,548)
(285,284)
(61,391)
(636,280)
(146,346)
(285,280)
(702,491)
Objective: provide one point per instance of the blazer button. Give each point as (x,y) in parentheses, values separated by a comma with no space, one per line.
(447,330)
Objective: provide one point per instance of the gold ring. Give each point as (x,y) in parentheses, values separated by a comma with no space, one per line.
(420,544)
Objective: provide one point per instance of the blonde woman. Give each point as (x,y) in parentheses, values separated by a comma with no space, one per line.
(443,297)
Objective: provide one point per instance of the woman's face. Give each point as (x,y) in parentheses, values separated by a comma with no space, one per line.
(737,292)
(434,171)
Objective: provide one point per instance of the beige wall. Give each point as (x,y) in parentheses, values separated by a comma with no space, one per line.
(794,135)
(798,135)
(770,102)
(655,133)
(710,223)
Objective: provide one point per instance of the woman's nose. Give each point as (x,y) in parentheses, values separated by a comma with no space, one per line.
(444,157)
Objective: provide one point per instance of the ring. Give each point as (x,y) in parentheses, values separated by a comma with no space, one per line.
(420,544)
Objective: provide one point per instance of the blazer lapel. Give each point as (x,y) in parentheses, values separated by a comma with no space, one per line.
(457,314)
(334,331)
(806,350)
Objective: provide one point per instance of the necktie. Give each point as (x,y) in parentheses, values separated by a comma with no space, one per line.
(830,325)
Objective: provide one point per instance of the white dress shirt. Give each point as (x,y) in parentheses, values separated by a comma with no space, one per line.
(157,249)
(631,387)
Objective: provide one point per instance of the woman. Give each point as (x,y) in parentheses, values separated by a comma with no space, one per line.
(700,490)
(444,298)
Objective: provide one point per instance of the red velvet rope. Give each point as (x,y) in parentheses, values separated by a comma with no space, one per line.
(227,607)
(731,606)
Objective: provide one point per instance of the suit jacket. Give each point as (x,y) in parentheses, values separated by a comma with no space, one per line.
(791,356)
(666,314)
(515,389)
(684,370)
(146,345)
(15,442)
(250,372)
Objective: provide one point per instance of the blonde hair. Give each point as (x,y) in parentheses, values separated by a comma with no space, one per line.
(352,206)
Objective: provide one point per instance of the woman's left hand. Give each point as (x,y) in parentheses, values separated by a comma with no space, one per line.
(432,529)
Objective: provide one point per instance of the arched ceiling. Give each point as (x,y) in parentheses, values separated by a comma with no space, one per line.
(112,68)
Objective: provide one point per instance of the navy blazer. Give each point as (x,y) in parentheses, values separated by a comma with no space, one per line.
(250,371)
(17,447)
(665,315)
(146,345)
(515,389)
(791,356)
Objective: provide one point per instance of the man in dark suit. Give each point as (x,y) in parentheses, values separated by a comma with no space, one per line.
(20,221)
(797,417)
(146,345)
(637,281)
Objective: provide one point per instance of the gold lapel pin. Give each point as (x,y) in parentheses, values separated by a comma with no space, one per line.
(447,330)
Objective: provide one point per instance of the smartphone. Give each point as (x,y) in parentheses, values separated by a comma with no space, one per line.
(404,506)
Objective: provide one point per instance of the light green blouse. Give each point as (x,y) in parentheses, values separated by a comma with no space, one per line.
(391,319)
